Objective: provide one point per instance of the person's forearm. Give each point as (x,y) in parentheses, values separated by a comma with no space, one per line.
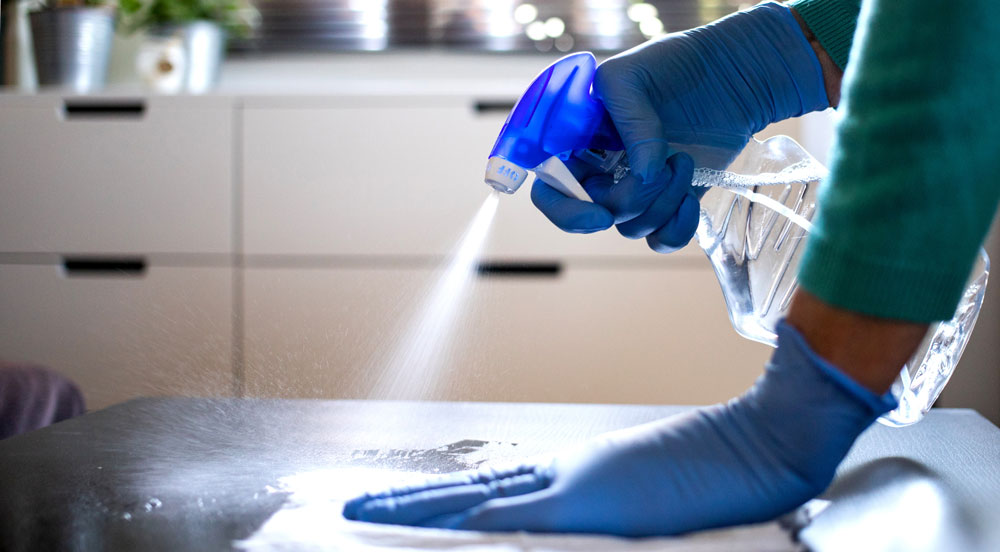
(870,350)
(832,75)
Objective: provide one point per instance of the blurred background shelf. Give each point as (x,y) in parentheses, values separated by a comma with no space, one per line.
(478,25)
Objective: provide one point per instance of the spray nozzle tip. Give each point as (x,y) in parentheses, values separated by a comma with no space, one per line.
(501,187)
(504,176)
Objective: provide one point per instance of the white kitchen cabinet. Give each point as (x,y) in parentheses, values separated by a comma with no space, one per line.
(165,332)
(387,176)
(116,175)
(590,334)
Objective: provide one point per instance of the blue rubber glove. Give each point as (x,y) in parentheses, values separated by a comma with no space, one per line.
(747,461)
(665,212)
(714,87)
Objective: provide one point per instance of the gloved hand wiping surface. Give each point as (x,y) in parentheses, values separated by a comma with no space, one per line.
(746,461)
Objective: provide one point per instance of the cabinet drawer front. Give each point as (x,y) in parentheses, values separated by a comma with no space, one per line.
(390,179)
(166,331)
(579,335)
(116,176)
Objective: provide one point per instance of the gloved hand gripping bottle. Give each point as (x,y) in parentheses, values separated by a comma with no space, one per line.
(755,214)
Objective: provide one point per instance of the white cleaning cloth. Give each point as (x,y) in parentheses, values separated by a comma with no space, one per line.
(311,520)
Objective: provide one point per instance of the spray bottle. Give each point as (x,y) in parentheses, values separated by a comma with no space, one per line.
(756,212)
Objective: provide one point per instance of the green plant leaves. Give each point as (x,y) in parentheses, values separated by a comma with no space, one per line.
(237,16)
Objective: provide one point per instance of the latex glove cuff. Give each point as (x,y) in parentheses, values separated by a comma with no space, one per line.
(878,404)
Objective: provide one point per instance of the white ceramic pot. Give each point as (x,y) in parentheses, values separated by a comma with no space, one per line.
(182,58)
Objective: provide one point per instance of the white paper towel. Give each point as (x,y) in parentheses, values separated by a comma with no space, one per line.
(311,520)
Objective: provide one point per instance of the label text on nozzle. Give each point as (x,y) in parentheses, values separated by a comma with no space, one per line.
(504,176)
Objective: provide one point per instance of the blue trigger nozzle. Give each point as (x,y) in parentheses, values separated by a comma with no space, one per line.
(555,116)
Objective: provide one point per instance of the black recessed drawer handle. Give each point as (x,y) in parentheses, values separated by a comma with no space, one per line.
(485,107)
(131,267)
(519,269)
(104,109)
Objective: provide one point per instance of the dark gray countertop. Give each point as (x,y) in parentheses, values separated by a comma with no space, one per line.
(194,474)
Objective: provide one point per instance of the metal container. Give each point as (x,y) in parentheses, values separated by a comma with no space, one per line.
(202,45)
(72,47)
(17,60)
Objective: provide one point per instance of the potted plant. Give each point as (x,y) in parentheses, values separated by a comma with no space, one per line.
(72,43)
(186,39)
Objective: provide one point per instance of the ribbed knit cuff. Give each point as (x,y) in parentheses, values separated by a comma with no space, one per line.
(867,286)
(833,22)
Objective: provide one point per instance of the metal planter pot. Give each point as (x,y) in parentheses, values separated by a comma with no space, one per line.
(193,50)
(72,47)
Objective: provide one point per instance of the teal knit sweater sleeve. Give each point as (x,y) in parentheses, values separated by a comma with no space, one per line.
(833,23)
(915,170)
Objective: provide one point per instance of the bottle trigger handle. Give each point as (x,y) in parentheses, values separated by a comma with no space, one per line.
(555,173)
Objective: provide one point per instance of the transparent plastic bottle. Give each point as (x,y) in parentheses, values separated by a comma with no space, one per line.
(755,218)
